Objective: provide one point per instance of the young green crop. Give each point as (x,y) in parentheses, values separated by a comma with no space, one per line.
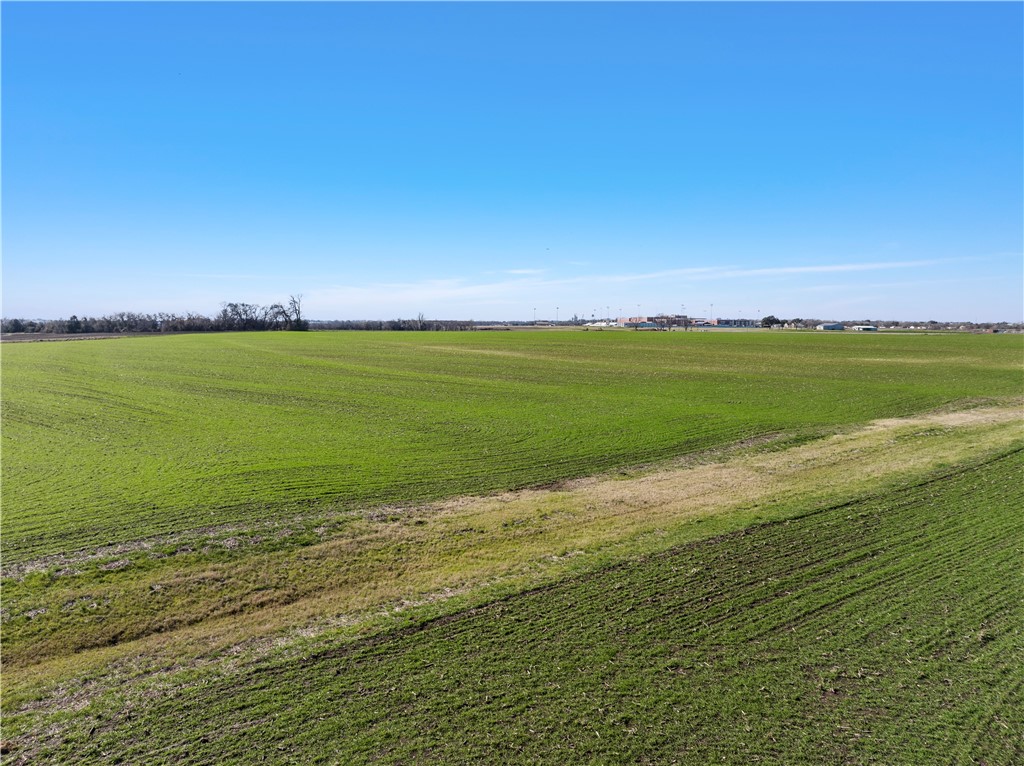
(108,441)
(879,631)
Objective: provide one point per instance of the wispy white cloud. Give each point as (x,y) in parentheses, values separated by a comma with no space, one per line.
(828,268)
(693,273)
(519,290)
(727,272)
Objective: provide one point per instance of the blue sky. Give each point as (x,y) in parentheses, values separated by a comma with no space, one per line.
(489,160)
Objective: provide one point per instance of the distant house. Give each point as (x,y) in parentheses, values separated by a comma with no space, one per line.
(864,328)
(831,326)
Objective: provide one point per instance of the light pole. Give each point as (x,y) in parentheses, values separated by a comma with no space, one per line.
(556,314)
(535,315)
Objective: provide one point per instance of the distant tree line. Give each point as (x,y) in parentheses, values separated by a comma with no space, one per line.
(232,316)
(810,324)
(288,316)
(420,323)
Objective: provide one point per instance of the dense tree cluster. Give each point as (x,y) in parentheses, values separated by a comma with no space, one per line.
(248,316)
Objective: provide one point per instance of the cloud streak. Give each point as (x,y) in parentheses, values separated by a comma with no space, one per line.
(463,296)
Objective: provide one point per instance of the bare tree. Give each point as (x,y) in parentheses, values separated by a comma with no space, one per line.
(295,312)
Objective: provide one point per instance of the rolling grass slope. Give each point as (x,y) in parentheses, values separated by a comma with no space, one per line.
(109,441)
(885,630)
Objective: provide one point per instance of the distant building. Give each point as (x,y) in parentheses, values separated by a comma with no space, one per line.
(831,326)
(636,322)
(864,328)
(734,322)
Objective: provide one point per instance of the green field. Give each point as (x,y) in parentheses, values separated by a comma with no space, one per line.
(111,441)
(384,547)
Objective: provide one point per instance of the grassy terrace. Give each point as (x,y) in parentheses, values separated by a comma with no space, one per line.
(354,547)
